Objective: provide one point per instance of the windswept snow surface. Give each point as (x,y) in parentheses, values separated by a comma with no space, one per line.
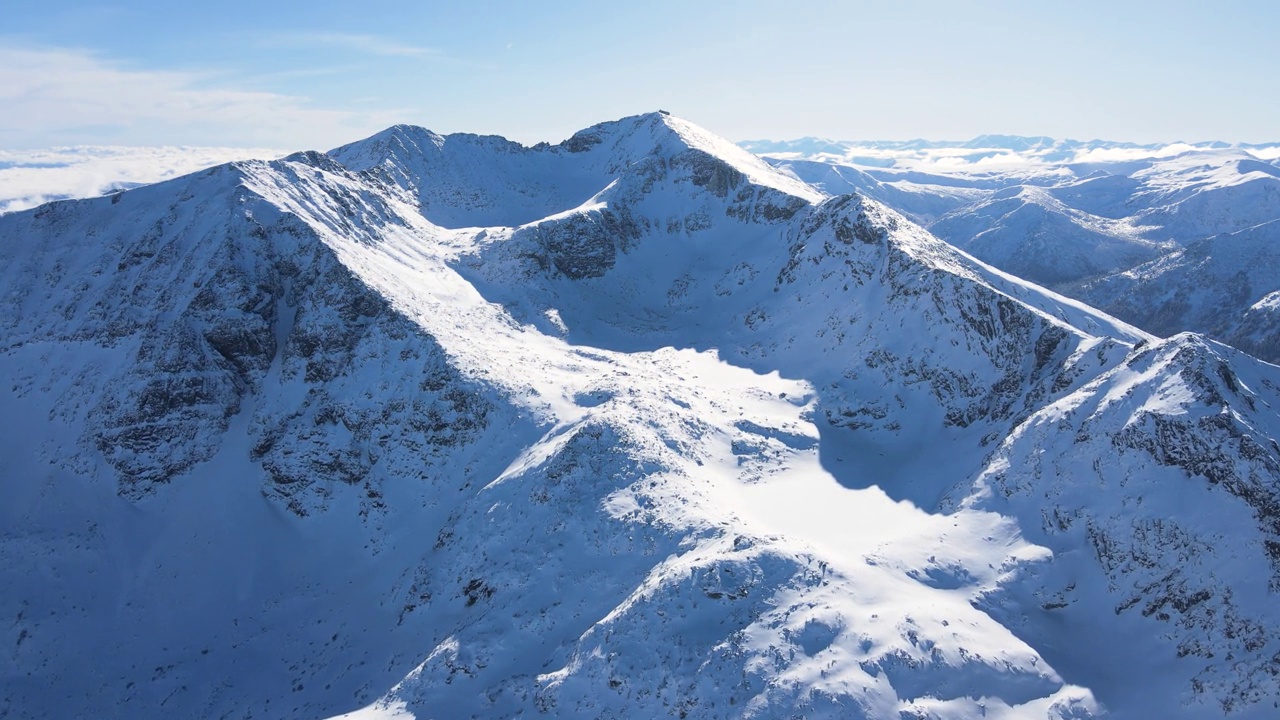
(630,426)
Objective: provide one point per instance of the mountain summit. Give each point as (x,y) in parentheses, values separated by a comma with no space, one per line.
(472,180)
(632,425)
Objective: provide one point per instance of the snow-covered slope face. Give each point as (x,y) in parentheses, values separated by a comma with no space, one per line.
(1032,234)
(474,181)
(1162,473)
(1220,285)
(192,372)
(697,443)
(1201,194)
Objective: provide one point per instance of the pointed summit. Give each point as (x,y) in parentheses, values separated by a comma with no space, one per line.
(463,180)
(665,135)
(397,141)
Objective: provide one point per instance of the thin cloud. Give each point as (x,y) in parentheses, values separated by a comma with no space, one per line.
(1105,155)
(51,95)
(366,44)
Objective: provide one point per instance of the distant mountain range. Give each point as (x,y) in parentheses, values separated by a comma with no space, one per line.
(886,153)
(1100,221)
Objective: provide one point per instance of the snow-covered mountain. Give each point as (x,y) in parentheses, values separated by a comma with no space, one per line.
(1030,233)
(987,152)
(1067,214)
(635,425)
(1225,285)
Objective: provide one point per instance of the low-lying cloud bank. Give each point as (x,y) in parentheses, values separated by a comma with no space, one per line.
(32,177)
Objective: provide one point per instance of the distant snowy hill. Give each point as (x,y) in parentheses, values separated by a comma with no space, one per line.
(1066,213)
(636,425)
(1224,285)
(1030,233)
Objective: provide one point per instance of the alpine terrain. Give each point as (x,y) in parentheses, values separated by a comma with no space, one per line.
(1168,237)
(635,425)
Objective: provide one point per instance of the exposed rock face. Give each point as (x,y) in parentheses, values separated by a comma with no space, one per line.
(584,245)
(165,414)
(241,312)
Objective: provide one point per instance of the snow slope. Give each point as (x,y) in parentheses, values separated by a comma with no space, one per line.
(629,426)
(1120,474)
(1032,234)
(1219,285)
(205,373)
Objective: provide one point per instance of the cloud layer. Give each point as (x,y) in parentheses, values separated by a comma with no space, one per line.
(57,97)
(30,178)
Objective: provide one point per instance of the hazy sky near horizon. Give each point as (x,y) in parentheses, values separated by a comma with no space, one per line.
(293,75)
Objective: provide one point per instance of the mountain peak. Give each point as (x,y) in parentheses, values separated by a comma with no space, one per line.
(463,180)
(651,126)
(662,134)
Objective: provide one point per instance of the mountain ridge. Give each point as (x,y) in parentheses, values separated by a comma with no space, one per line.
(1080,221)
(691,444)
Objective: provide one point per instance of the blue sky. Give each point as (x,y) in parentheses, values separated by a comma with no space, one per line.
(315,74)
